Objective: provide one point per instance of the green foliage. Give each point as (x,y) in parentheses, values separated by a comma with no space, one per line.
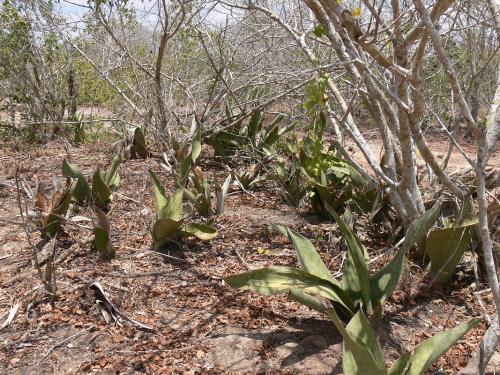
(79,129)
(81,189)
(199,193)
(316,89)
(250,176)
(187,155)
(357,294)
(103,185)
(102,234)
(251,134)
(31,62)
(291,184)
(135,145)
(357,289)
(446,246)
(92,88)
(197,188)
(171,222)
(327,180)
(362,353)
(319,30)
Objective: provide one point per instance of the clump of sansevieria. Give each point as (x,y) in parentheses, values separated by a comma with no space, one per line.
(446,244)
(99,194)
(172,222)
(53,210)
(199,193)
(102,234)
(197,189)
(362,353)
(251,134)
(103,184)
(135,144)
(359,293)
(357,290)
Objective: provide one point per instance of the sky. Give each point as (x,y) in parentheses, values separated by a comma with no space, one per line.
(74,10)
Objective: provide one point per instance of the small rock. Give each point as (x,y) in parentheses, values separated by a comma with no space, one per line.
(15,361)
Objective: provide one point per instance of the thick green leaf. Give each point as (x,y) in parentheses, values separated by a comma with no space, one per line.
(270,138)
(427,352)
(102,234)
(307,300)
(356,277)
(401,365)
(221,193)
(361,332)
(164,230)
(196,146)
(358,358)
(254,125)
(111,177)
(81,189)
(184,169)
(191,196)
(420,227)
(70,171)
(445,248)
(202,231)
(160,195)
(308,257)
(385,281)
(278,280)
(173,208)
(101,193)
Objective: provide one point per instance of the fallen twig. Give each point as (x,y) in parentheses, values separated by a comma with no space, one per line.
(10,317)
(109,311)
(65,341)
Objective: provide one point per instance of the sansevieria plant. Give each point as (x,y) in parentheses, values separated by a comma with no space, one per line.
(100,194)
(362,354)
(171,222)
(358,293)
(357,290)
(103,184)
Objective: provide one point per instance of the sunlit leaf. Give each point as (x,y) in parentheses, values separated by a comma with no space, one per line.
(102,234)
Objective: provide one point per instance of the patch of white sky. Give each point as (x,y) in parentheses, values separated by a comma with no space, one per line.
(213,13)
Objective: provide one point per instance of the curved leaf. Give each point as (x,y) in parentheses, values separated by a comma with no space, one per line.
(445,248)
(420,227)
(202,231)
(102,234)
(356,278)
(160,195)
(385,281)
(101,193)
(111,177)
(308,257)
(196,146)
(278,280)
(254,126)
(307,300)
(81,189)
(427,352)
(164,230)
(173,208)
(361,351)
